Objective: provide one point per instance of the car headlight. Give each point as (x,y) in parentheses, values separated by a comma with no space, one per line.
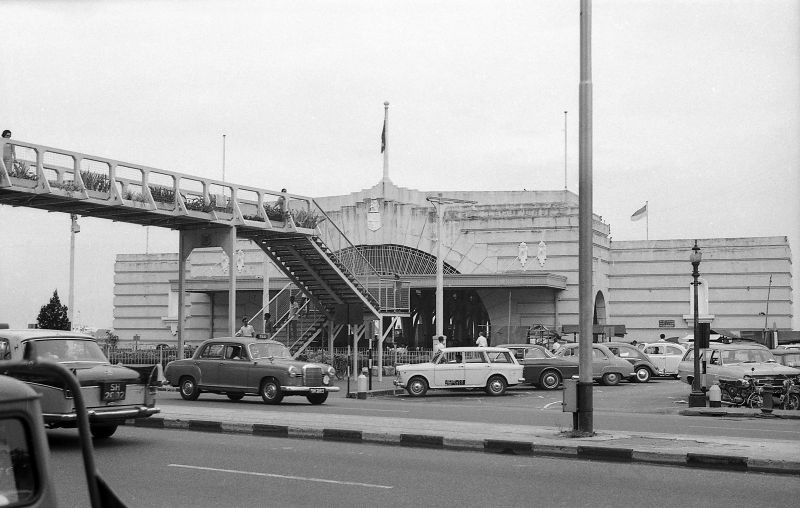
(293,372)
(331,371)
(326,380)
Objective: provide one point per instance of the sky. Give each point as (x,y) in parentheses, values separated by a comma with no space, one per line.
(696,111)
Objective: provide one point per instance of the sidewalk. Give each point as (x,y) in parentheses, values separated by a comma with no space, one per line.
(767,455)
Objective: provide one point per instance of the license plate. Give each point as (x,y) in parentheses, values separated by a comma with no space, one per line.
(316,390)
(111,392)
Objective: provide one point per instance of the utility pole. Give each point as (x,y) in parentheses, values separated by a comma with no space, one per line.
(74,228)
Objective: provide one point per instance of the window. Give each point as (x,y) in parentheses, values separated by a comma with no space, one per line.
(19,481)
(672,350)
(501,357)
(5,350)
(212,352)
(598,354)
(654,350)
(235,352)
(474,357)
(536,353)
(451,357)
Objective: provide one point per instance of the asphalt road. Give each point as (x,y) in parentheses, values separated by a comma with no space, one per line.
(171,468)
(646,407)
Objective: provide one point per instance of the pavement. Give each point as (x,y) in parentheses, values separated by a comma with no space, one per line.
(765,455)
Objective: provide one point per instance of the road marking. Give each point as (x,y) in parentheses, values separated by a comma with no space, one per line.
(379,410)
(283,476)
(548,405)
(742,429)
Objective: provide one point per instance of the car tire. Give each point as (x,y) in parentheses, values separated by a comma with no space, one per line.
(188,388)
(550,379)
(496,386)
(611,378)
(102,430)
(234,396)
(643,375)
(417,386)
(270,391)
(317,398)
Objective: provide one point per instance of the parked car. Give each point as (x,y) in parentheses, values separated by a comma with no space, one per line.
(492,369)
(607,368)
(541,367)
(643,367)
(112,393)
(788,357)
(239,366)
(736,362)
(665,356)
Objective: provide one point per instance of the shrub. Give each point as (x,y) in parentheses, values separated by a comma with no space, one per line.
(306,218)
(95,181)
(22,170)
(162,194)
(274,212)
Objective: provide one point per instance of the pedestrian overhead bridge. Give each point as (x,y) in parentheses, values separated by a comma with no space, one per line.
(294,232)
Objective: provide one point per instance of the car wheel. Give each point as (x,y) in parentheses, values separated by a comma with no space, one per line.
(643,375)
(550,379)
(271,392)
(792,401)
(611,379)
(102,431)
(235,395)
(496,385)
(317,398)
(417,386)
(188,387)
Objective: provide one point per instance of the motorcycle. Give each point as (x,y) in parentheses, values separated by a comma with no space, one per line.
(750,393)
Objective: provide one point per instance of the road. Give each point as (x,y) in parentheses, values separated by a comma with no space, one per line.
(172,468)
(647,407)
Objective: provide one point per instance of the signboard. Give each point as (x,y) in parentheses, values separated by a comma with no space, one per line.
(666,323)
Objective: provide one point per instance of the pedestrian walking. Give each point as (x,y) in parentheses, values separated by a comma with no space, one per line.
(438,345)
(481,340)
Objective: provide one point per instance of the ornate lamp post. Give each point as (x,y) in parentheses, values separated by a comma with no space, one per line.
(697,398)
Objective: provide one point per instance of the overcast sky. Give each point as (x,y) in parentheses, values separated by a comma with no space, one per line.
(696,111)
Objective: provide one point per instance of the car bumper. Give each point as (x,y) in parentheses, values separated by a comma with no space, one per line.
(99,415)
(308,389)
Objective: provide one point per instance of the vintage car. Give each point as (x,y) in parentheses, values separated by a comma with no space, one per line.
(541,367)
(112,393)
(665,356)
(737,362)
(643,367)
(788,357)
(490,368)
(607,368)
(240,366)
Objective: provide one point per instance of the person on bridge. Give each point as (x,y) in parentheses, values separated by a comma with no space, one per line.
(246,330)
(8,152)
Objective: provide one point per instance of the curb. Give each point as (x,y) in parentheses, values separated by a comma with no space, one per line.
(495,446)
(754,413)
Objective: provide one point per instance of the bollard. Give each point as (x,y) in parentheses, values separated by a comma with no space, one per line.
(362,384)
(714,396)
(766,395)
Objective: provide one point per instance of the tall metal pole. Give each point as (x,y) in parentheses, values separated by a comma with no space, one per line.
(385,141)
(696,398)
(766,314)
(73,228)
(565,150)
(439,269)
(583,419)
(223,157)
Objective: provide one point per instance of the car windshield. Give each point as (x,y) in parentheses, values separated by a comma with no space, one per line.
(268,350)
(746,356)
(791,360)
(64,350)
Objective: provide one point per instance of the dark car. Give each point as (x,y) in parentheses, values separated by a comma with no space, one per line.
(240,366)
(607,368)
(543,368)
(643,367)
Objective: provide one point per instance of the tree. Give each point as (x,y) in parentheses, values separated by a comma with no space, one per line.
(53,316)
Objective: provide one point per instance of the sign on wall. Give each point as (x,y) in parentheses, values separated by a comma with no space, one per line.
(666,323)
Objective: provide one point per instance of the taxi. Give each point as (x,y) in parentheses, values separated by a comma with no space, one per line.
(491,368)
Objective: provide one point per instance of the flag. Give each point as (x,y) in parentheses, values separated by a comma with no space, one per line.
(383,136)
(641,212)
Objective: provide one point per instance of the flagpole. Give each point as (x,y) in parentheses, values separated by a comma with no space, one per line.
(565,150)
(386,141)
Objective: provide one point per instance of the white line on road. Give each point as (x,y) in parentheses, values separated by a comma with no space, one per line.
(546,406)
(283,476)
(742,429)
(379,410)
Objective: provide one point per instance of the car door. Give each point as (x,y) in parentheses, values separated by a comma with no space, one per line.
(658,355)
(208,364)
(234,367)
(449,372)
(476,368)
(672,357)
(601,363)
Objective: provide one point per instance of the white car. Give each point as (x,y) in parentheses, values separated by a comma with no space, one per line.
(665,356)
(490,368)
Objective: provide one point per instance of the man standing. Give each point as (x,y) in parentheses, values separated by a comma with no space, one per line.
(438,345)
(481,341)
(246,330)
(294,313)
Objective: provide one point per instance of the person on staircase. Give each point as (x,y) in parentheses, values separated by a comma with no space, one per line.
(294,314)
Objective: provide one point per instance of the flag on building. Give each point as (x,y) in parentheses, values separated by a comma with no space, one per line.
(383,136)
(638,214)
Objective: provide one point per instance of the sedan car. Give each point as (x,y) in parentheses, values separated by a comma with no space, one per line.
(643,367)
(240,366)
(665,356)
(788,357)
(541,367)
(490,368)
(111,393)
(607,368)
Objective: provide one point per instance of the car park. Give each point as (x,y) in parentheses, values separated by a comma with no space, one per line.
(239,366)
(665,356)
(643,367)
(490,368)
(541,367)
(112,393)
(607,368)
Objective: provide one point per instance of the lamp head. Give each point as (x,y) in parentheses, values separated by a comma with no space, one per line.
(696,256)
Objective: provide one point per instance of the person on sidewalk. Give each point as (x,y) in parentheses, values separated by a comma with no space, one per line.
(438,345)
(246,330)
(481,341)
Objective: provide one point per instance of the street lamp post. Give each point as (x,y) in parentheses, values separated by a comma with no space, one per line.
(697,398)
(440,205)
